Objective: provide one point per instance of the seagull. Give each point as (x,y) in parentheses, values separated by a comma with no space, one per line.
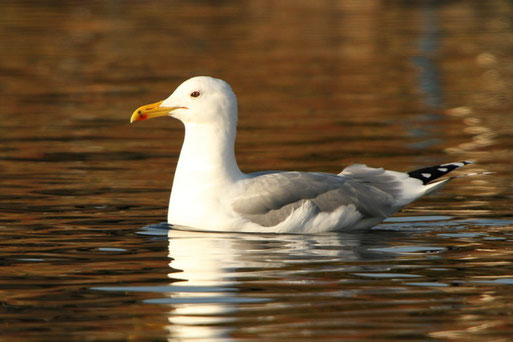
(211,193)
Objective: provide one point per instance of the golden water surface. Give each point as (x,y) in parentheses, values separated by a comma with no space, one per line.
(321,84)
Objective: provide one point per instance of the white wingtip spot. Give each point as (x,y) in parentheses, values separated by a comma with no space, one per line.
(426,175)
(443,169)
(458,164)
(453,164)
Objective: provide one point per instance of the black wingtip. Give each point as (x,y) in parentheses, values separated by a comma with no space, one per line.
(429,174)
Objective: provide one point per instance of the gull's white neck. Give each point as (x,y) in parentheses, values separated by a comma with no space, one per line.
(205,168)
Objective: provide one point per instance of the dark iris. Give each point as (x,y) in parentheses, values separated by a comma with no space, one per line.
(195,94)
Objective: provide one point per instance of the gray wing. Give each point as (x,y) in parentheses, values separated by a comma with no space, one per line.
(268,199)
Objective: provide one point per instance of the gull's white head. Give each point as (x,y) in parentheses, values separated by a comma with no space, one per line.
(199,100)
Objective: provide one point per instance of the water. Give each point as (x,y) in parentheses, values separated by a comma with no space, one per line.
(320,85)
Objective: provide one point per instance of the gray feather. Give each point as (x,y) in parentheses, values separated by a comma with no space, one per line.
(269,198)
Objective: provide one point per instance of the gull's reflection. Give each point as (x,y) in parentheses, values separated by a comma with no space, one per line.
(212,272)
(202,261)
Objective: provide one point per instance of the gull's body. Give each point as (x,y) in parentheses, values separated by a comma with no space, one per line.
(211,193)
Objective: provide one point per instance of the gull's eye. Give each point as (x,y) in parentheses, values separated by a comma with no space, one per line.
(195,94)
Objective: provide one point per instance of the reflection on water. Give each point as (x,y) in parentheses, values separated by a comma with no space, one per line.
(321,85)
(217,271)
(227,285)
(413,278)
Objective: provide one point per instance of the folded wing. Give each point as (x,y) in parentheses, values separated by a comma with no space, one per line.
(268,199)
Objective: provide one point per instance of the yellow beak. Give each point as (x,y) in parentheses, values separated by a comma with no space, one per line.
(151,111)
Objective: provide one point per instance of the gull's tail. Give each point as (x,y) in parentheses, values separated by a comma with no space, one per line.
(429,174)
(403,187)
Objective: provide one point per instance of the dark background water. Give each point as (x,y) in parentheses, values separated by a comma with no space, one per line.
(398,84)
